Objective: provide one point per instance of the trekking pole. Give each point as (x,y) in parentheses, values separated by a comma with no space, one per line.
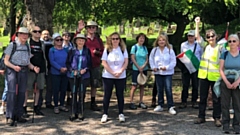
(34,93)
(72,116)
(82,98)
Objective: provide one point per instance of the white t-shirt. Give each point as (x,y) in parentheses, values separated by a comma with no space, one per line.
(115,60)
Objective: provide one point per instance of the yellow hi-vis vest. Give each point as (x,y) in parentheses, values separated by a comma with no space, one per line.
(209,65)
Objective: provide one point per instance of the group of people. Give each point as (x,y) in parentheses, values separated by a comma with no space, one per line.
(75,65)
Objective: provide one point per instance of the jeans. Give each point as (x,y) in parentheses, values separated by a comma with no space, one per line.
(164,82)
(108,84)
(204,88)
(59,84)
(4,96)
(186,77)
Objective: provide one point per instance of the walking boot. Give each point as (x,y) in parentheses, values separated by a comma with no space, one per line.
(37,110)
(21,119)
(94,107)
(25,115)
(153,102)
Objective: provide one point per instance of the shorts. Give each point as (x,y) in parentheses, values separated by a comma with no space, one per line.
(135,75)
(95,77)
(31,79)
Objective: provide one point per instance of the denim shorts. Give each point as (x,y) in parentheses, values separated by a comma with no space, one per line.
(135,75)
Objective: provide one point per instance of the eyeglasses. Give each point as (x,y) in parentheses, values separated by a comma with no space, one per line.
(115,38)
(208,37)
(35,31)
(59,39)
(232,41)
(91,27)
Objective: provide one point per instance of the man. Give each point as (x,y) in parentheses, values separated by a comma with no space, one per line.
(193,45)
(48,97)
(17,74)
(95,45)
(38,59)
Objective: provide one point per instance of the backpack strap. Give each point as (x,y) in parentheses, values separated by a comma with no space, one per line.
(225,55)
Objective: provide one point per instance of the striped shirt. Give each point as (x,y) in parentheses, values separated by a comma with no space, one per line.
(21,56)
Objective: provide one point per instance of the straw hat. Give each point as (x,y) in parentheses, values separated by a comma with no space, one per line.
(79,36)
(91,23)
(141,79)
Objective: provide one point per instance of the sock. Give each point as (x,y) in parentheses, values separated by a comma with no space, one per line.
(92,100)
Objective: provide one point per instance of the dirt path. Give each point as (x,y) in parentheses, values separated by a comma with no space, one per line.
(138,121)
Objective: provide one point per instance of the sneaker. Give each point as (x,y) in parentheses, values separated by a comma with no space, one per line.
(132,106)
(104,118)
(121,118)
(56,110)
(172,111)
(142,105)
(2,109)
(195,105)
(158,109)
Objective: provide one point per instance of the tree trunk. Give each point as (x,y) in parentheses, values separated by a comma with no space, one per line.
(12,18)
(39,13)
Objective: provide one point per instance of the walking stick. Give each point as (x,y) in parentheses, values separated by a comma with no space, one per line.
(35,89)
(72,116)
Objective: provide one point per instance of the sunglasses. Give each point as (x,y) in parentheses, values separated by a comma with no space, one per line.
(35,31)
(232,41)
(91,27)
(59,39)
(115,38)
(208,37)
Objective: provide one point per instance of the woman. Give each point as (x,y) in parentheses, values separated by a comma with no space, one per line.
(78,64)
(229,86)
(57,58)
(208,74)
(162,61)
(139,56)
(114,61)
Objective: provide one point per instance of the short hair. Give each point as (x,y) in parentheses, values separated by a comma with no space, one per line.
(234,36)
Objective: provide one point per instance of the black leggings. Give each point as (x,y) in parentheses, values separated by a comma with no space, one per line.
(108,84)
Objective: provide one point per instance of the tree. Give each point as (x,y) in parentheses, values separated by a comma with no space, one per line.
(40,13)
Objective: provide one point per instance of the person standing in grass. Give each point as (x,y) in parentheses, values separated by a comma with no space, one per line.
(139,56)
(162,61)
(114,61)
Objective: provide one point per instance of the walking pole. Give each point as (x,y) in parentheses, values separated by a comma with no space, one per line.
(34,92)
(72,116)
(82,99)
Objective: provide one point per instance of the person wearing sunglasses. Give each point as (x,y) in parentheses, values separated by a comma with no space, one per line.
(95,45)
(58,57)
(208,74)
(114,61)
(38,59)
(229,85)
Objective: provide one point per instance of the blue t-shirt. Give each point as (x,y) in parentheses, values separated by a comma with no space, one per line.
(140,55)
(231,63)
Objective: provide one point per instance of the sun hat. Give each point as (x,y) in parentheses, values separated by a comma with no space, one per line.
(191,33)
(91,23)
(22,30)
(141,79)
(79,36)
(55,35)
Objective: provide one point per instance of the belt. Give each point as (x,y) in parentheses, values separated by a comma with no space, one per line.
(23,68)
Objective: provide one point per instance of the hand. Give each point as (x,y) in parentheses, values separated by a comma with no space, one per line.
(197,20)
(155,69)
(235,85)
(75,72)
(82,71)
(140,69)
(229,85)
(2,72)
(95,51)
(81,25)
(163,68)
(36,69)
(63,70)
(17,68)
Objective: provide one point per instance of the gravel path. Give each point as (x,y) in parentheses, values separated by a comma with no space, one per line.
(138,121)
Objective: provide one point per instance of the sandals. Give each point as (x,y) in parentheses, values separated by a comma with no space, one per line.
(56,110)
(63,108)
